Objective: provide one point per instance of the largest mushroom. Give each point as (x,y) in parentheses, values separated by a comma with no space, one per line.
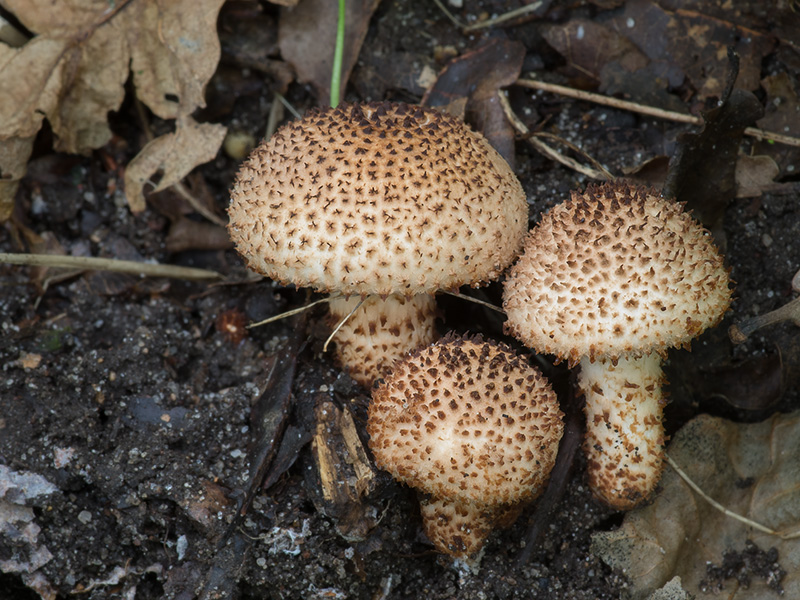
(611,279)
(382,202)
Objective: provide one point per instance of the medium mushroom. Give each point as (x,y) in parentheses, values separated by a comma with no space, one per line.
(474,428)
(611,279)
(382,202)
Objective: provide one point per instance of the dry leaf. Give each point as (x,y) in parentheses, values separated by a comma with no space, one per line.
(590,46)
(696,43)
(14,155)
(754,174)
(477,75)
(176,154)
(751,469)
(74,69)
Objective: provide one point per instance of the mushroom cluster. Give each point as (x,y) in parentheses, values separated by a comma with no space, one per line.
(474,428)
(611,279)
(383,202)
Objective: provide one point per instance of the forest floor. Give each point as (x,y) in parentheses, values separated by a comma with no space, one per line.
(130,405)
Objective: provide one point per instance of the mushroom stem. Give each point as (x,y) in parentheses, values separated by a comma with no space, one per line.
(624,432)
(380,332)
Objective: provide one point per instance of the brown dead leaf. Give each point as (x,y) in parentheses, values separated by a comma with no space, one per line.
(781,113)
(589,46)
(752,470)
(307,36)
(702,171)
(754,174)
(14,154)
(477,75)
(175,154)
(73,71)
(696,43)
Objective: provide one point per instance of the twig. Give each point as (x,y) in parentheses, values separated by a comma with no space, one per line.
(475,300)
(738,332)
(575,148)
(547,150)
(341,324)
(512,14)
(726,511)
(197,205)
(449,15)
(288,105)
(294,311)
(650,111)
(275,115)
(91,263)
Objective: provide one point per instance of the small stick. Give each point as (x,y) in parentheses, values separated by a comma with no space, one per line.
(475,300)
(650,111)
(449,15)
(512,14)
(738,332)
(91,263)
(341,323)
(197,205)
(288,105)
(725,511)
(292,312)
(547,150)
(275,115)
(575,148)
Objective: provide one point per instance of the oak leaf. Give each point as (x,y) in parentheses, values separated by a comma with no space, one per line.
(73,70)
(750,469)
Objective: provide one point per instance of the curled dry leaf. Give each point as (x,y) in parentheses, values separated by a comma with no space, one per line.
(752,470)
(73,71)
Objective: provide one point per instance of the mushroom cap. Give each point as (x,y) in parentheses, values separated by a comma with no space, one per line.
(377,198)
(466,420)
(616,270)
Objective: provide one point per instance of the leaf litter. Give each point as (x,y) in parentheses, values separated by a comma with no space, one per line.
(752,470)
(201,354)
(73,73)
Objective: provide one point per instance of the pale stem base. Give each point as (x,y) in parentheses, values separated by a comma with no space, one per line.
(624,432)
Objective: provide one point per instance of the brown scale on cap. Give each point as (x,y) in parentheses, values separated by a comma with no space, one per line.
(612,278)
(472,425)
(377,199)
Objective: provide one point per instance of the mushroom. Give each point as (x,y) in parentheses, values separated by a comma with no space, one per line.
(474,428)
(612,278)
(383,202)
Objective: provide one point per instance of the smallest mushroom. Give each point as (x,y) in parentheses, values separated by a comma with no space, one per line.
(474,428)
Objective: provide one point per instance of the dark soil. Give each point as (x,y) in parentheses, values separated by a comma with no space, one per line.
(135,398)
